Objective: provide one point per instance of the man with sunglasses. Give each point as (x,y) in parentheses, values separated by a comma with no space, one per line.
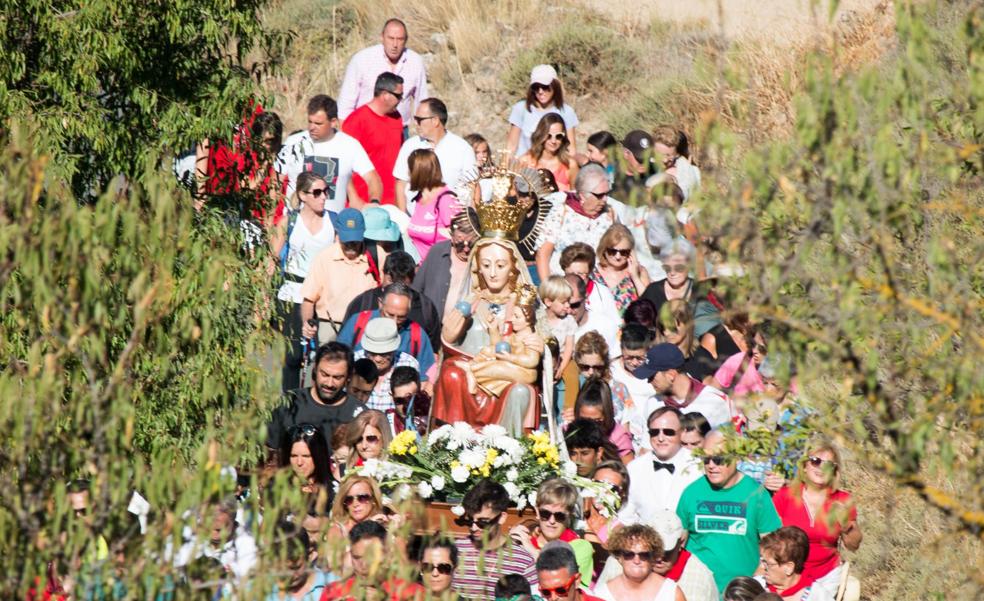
(378,126)
(380,344)
(446,264)
(410,404)
(558,574)
(454,153)
(634,343)
(587,319)
(725,514)
(659,478)
(637,167)
(487,551)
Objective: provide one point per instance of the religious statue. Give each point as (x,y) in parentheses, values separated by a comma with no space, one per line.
(497,303)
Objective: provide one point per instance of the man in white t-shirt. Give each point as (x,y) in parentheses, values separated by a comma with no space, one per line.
(453,153)
(331,154)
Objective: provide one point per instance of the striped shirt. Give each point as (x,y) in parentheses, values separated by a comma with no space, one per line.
(381,398)
(479,570)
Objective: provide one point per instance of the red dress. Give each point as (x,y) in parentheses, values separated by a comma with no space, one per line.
(823,531)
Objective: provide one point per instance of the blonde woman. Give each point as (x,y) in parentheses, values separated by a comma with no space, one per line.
(618,268)
(369,436)
(814,502)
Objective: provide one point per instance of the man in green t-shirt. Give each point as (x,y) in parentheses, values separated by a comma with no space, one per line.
(725,513)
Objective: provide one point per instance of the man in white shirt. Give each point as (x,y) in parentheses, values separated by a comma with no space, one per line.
(392,56)
(674,388)
(587,320)
(330,153)
(453,153)
(659,478)
(227,541)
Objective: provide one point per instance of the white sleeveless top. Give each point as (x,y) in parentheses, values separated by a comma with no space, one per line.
(304,247)
(667,591)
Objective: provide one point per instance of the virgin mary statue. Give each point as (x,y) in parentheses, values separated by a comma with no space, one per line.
(486,310)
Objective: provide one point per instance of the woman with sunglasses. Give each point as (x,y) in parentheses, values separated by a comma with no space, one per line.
(815,503)
(438,560)
(550,150)
(298,236)
(618,268)
(369,435)
(556,503)
(358,499)
(591,356)
(678,260)
(783,555)
(544,96)
(306,451)
(637,548)
(739,375)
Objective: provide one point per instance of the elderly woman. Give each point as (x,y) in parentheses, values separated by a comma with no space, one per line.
(637,548)
(678,260)
(827,514)
(584,216)
(783,555)
(556,507)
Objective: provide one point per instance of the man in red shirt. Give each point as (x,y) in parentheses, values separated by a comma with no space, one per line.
(379,128)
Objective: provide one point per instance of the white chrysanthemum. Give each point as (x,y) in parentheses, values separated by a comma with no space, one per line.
(500,461)
(532,498)
(437,482)
(570,468)
(403,491)
(463,431)
(493,431)
(458,510)
(513,491)
(425,490)
(459,474)
(512,474)
(370,468)
(472,458)
(521,503)
(440,434)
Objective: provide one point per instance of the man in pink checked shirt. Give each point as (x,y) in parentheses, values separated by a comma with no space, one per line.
(391,55)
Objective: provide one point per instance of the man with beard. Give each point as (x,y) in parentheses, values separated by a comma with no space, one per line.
(326,404)
(488,551)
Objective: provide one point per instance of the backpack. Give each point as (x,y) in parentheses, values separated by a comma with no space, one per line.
(291,222)
(363,319)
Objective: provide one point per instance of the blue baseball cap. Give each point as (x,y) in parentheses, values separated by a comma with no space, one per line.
(350,226)
(662,357)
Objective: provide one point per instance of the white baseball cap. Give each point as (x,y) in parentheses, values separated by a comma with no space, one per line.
(543,75)
(667,524)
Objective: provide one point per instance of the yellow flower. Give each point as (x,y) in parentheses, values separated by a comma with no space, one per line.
(403,443)
(413,450)
(454,464)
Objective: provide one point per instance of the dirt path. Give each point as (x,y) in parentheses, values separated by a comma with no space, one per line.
(776,21)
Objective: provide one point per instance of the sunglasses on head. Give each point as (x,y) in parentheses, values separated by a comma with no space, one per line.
(303,429)
(559,591)
(443,568)
(646,556)
(559,516)
(668,432)
(370,438)
(679,268)
(467,521)
(318,192)
(539,87)
(716,460)
(362,499)
(622,252)
(819,461)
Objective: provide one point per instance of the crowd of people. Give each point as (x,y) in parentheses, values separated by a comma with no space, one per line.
(598,318)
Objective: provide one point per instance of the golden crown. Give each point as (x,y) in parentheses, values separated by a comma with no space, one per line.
(500,192)
(526,295)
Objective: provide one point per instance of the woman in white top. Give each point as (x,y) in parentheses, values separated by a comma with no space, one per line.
(637,547)
(545,95)
(298,235)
